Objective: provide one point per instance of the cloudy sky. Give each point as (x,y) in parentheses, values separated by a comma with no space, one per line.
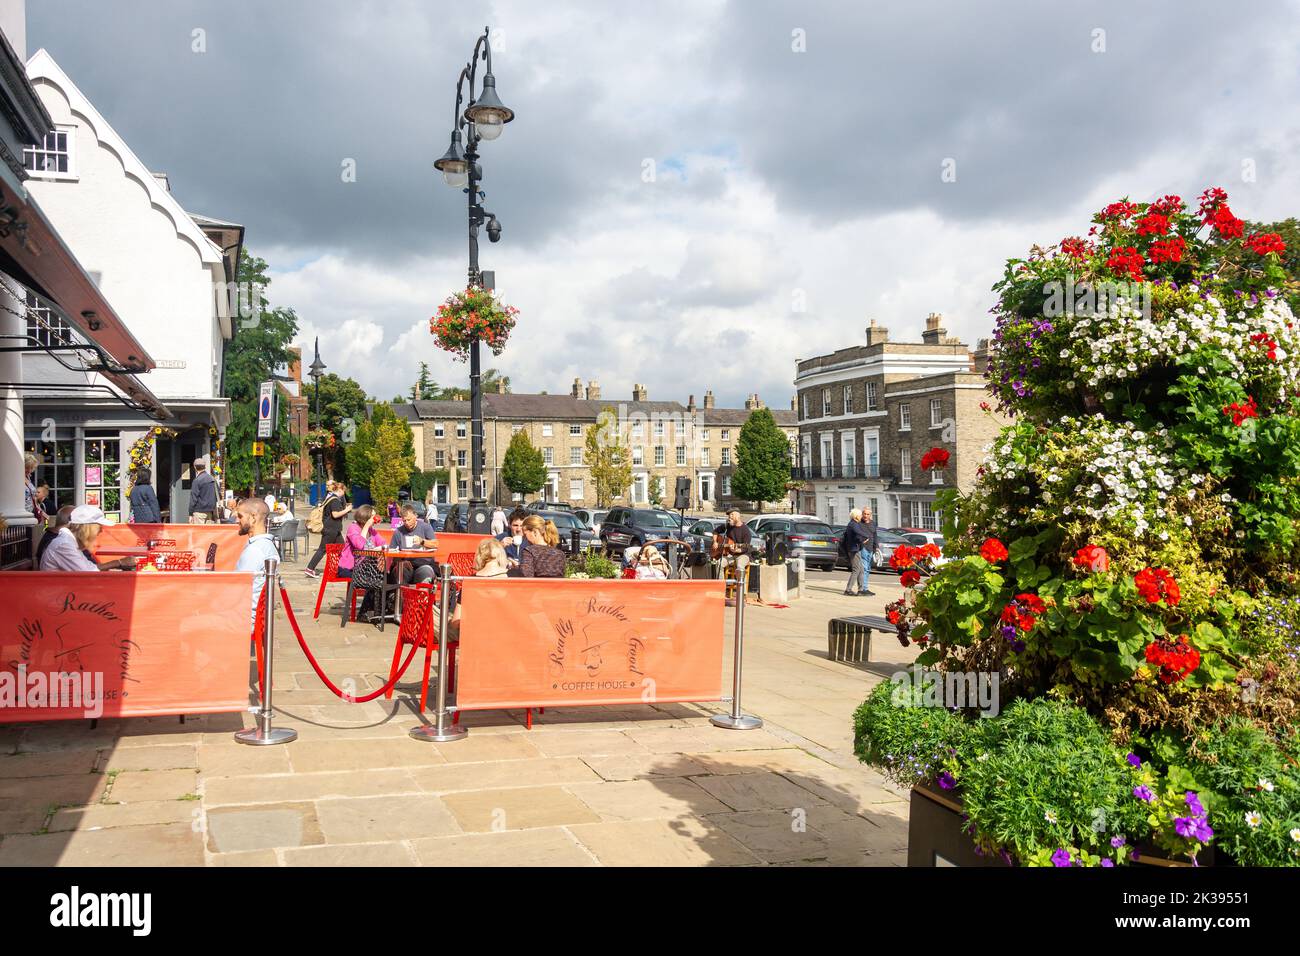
(694,193)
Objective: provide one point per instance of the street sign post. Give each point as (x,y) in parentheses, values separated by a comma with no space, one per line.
(266,411)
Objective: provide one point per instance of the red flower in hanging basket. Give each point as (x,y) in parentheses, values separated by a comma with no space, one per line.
(470,316)
(934,458)
(993,551)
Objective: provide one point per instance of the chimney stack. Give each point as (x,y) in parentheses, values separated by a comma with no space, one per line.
(751,403)
(979,361)
(708,399)
(876,334)
(639,393)
(690,405)
(794,403)
(501,386)
(934,332)
(593,391)
(577,388)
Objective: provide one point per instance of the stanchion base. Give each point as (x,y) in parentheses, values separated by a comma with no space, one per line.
(743,722)
(254,737)
(429,733)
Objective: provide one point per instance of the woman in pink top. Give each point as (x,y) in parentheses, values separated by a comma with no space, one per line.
(361,534)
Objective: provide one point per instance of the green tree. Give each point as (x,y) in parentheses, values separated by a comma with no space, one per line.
(393,463)
(254,352)
(607,458)
(425,388)
(360,454)
(523,470)
(656,492)
(342,408)
(762,459)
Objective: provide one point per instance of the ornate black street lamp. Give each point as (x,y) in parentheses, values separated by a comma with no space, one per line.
(316,370)
(483,119)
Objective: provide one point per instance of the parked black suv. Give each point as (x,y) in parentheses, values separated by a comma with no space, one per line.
(628,527)
(566,523)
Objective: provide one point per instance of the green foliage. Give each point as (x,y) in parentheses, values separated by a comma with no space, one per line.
(342,410)
(656,491)
(762,459)
(424,481)
(1253,779)
(1044,776)
(523,469)
(906,740)
(608,458)
(250,358)
(592,564)
(392,459)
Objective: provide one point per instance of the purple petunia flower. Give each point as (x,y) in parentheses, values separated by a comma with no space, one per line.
(1184,826)
(946,780)
(1202,831)
(1135,855)
(1061,858)
(1108,863)
(1134,760)
(1143,792)
(1194,803)
(1117,842)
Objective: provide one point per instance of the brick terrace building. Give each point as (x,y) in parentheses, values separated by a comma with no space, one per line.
(667,440)
(868,413)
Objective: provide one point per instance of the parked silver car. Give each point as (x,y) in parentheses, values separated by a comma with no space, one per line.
(591,517)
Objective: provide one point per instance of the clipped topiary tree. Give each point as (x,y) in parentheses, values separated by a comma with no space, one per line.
(523,470)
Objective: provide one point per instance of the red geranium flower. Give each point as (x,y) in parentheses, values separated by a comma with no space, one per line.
(1167,205)
(1239,412)
(1126,261)
(909,579)
(1225,223)
(1075,248)
(1176,658)
(1117,211)
(1153,224)
(1157,584)
(1167,250)
(1269,346)
(993,551)
(893,617)
(901,558)
(1264,243)
(1093,557)
(1210,201)
(934,458)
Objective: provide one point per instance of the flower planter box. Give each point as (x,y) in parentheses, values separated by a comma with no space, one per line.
(936,834)
(936,837)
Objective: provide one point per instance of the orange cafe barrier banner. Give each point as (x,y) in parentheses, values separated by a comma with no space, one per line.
(188,537)
(112,644)
(565,642)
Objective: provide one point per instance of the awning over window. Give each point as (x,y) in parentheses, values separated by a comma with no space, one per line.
(32,251)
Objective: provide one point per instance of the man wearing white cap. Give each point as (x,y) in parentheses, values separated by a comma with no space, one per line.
(72,545)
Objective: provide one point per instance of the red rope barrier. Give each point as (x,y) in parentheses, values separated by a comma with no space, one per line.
(311,659)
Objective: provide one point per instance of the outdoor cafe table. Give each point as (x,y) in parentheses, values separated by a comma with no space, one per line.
(391,559)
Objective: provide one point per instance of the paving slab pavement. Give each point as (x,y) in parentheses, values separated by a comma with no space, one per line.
(655,785)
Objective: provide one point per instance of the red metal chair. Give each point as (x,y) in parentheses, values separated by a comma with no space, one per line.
(462,564)
(172,560)
(419,606)
(331,576)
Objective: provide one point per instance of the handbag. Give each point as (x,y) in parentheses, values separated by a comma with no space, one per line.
(366,575)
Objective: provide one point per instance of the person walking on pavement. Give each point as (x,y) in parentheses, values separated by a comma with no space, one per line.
(333,510)
(868,542)
(853,548)
(203,495)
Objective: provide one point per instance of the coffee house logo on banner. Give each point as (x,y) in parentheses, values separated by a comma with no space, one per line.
(596,648)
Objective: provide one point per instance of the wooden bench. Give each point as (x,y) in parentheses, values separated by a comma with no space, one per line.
(849,638)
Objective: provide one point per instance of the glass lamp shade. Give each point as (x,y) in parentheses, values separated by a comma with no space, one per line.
(489,125)
(455,177)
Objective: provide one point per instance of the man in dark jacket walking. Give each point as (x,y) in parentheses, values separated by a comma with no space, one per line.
(203,495)
(852,546)
(868,541)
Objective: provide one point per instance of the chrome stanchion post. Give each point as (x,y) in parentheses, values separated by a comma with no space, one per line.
(263,734)
(441,731)
(736,720)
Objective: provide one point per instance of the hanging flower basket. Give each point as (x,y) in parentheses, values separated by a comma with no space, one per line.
(471,315)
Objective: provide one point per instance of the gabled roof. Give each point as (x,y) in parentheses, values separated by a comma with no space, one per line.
(43,71)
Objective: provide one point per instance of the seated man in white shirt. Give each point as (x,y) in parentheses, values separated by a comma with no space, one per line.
(261,547)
